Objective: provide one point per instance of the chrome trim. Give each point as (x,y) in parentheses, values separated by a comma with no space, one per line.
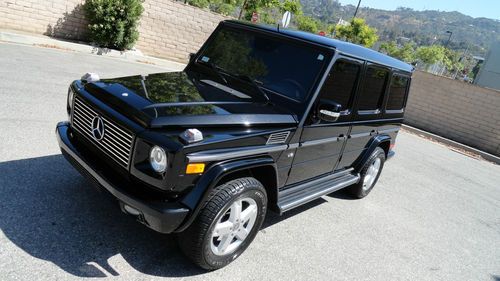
(116,143)
(394,111)
(224,154)
(320,141)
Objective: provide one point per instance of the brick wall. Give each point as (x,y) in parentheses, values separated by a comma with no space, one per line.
(173,30)
(168,29)
(459,111)
(59,18)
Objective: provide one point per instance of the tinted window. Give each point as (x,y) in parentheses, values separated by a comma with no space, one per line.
(340,83)
(397,93)
(373,88)
(282,66)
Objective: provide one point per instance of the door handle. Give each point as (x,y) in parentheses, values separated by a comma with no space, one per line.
(341,137)
(373,132)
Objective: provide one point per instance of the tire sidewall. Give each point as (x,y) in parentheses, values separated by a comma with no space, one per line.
(258,194)
(378,153)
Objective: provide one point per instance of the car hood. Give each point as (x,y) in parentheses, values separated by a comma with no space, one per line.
(185,99)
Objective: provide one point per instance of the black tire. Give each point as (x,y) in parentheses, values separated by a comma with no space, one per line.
(359,190)
(196,241)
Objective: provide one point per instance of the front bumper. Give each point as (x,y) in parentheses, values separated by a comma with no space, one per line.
(164,217)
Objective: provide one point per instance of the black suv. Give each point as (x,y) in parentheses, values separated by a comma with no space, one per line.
(261,118)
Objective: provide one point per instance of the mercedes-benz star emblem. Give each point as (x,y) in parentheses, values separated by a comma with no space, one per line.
(98,128)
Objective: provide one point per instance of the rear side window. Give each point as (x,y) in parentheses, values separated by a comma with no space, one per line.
(397,93)
(373,88)
(340,83)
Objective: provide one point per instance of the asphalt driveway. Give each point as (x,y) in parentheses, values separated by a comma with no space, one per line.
(434,215)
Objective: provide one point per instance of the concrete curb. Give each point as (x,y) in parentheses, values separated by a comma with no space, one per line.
(49,42)
(457,145)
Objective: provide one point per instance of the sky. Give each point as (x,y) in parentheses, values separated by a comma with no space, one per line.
(479,8)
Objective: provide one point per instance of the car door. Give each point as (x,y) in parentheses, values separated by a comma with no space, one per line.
(367,113)
(321,142)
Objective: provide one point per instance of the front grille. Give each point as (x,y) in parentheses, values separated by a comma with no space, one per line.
(117,141)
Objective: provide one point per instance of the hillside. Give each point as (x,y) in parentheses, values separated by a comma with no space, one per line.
(419,26)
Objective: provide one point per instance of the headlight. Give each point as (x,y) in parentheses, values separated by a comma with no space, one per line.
(71,96)
(158,159)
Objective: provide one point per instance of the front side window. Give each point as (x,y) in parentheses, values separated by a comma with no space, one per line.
(373,89)
(282,66)
(397,93)
(341,83)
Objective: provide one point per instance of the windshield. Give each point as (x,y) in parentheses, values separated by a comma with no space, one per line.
(281,66)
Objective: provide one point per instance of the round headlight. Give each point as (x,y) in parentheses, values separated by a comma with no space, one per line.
(158,159)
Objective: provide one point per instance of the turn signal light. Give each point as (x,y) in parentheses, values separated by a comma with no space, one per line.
(196,168)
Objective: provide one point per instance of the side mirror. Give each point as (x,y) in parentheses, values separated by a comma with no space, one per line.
(328,111)
(192,56)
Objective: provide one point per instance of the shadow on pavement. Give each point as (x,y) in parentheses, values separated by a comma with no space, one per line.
(48,210)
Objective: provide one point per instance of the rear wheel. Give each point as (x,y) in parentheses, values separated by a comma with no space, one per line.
(369,174)
(226,225)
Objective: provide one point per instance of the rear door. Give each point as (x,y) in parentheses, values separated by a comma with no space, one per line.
(321,142)
(367,113)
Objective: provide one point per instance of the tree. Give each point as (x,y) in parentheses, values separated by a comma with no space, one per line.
(307,24)
(225,7)
(113,23)
(405,53)
(358,32)
(251,6)
(430,54)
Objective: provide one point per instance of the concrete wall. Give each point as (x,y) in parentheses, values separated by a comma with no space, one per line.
(168,29)
(466,113)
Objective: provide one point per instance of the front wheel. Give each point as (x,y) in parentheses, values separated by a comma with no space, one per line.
(226,225)
(369,174)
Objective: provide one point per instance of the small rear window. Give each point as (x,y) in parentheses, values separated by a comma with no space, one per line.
(397,93)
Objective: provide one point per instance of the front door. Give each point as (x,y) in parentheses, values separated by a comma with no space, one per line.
(322,141)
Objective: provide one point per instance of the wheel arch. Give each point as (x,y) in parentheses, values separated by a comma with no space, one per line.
(262,168)
(382,141)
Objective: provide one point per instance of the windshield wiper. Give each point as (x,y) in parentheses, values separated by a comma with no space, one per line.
(256,84)
(216,69)
(221,72)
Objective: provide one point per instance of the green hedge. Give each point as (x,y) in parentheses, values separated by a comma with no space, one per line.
(113,23)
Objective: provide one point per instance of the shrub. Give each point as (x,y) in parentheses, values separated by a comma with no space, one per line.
(113,23)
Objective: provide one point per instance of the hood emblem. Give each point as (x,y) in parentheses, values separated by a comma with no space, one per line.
(98,128)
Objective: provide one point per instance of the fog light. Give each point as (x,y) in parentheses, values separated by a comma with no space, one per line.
(158,159)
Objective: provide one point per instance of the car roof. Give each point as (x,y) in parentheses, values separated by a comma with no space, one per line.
(341,46)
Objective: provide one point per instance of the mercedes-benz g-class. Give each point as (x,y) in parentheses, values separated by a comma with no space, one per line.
(260,119)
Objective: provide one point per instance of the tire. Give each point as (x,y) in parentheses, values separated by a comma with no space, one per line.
(212,248)
(369,177)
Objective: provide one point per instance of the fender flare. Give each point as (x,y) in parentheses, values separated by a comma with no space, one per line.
(195,199)
(374,143)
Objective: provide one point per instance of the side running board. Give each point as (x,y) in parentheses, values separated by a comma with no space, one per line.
(299,195)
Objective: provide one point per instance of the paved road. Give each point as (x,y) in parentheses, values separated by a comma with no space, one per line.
(434,215)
